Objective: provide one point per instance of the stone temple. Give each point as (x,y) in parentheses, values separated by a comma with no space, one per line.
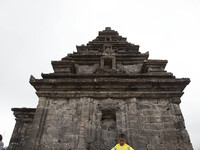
(105,88)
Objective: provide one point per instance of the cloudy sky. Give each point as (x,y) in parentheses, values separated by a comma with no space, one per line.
(35,32)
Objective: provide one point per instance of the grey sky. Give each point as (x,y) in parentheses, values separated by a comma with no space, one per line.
(32,33)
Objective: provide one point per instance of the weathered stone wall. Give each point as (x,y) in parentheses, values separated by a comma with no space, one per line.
(86,69)
(87,123)
(160,126)
(21,132)
(131,68)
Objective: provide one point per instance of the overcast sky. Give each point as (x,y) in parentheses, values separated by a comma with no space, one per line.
(35,32)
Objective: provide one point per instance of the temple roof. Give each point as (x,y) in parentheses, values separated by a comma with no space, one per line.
(109,38)
(109,63)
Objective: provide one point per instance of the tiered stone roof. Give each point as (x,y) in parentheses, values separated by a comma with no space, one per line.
(109,66)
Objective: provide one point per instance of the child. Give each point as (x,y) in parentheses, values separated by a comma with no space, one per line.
(122,144)
(1,143)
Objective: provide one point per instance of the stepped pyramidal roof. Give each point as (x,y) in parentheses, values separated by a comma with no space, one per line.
(108,56)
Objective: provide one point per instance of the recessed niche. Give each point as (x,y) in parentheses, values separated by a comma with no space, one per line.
(108,129)
(108,63)
(107,39)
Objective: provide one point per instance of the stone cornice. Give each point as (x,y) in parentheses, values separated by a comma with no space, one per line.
(24,114)
(108,94)
(135,86)
(121,76)
(23,109)
(153,65)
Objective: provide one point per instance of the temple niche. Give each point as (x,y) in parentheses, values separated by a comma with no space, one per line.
(105,88)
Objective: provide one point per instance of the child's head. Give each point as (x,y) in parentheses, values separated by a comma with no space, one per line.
(1,137)
(121,139)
